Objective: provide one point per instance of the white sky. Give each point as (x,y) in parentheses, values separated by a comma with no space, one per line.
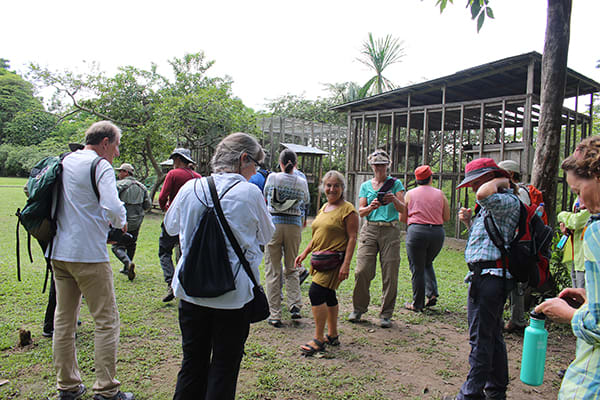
(274,47)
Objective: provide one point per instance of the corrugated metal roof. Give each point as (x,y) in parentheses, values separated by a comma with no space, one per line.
(300,149)
(505,77)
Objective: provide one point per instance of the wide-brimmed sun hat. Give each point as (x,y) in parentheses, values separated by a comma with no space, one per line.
(126,167)
(423,172)
(480,167)
(186,154)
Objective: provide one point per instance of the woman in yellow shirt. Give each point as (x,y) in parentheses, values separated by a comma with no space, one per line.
(334,232)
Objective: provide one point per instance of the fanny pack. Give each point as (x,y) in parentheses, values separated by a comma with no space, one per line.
(323,261)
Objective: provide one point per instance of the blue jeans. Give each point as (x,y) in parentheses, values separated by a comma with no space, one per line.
(488,360)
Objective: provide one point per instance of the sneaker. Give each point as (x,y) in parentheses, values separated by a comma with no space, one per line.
(47,334)
(124,271)
(169,296)
(131,271)
(295,312)
(118,396)
(385,323)
(72,394)
(276,323)
(303,275)
(354,316)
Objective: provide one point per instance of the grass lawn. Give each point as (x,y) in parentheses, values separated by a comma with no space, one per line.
(423,356)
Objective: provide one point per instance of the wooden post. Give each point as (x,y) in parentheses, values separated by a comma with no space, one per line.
(502,131)
(443,124)
(481,129)
(460,170)
(527,123)
(392,145)
(407,144)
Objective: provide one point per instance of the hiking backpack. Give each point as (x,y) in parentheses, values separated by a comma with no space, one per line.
(535,198)
(38,215)
(528,254)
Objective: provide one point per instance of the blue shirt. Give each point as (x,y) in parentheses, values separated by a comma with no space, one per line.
(259,178)
(386,213)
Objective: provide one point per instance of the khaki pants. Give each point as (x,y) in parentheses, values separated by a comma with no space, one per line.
(287,236)
(95,282)
(384,240)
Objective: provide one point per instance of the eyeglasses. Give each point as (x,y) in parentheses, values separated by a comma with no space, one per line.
(258,166)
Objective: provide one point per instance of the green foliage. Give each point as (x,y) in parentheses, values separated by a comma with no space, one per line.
(480,9)
(378,54)
(310,110)
(16,96)
(29,127)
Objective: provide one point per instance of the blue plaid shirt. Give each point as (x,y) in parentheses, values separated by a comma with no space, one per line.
(582,379)
(504,208)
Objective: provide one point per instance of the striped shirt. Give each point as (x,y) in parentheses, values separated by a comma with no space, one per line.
(582,379)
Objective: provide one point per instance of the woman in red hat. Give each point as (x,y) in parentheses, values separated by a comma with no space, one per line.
(427,210)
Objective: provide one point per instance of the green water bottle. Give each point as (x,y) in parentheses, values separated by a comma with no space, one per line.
(534,350)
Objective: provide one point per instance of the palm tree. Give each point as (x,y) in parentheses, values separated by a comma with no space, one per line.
(378,55)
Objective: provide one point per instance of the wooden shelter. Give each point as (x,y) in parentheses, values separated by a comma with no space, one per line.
(491,110)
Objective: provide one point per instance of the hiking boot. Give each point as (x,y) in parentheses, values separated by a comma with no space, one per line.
(131,271)
(169,296)
(303,275)
(295,312)
(47,334)
(124,271)
(354,316)
(72,394)
(118,396)
(385,323)
(276,323)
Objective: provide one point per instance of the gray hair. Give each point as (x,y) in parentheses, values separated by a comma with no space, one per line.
(336,175)
(99,130)
(230,149)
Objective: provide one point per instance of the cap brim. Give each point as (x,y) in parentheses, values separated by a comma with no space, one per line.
(467,181)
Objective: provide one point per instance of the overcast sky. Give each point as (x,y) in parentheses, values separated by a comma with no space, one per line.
(274,47)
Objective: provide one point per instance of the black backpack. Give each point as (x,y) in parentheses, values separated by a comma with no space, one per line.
(528,254)
(38,215)
(207,270)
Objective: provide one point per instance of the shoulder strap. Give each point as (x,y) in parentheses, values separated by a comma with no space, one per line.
(227,229)
(387,185)
(93,168)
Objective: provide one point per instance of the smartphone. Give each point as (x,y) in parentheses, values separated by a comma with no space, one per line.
(571,302)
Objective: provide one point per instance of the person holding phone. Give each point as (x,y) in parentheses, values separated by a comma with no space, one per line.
(582,378)
(381,201)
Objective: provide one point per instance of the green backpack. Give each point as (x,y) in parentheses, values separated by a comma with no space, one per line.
(43,185)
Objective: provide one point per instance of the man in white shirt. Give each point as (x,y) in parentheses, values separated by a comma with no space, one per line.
(81,264)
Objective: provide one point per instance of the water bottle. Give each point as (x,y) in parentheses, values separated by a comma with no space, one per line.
(540,210)
(533,359)
(563,240)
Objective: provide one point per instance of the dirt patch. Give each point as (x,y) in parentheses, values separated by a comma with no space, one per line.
(420,357)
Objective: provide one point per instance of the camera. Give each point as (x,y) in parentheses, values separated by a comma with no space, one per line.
(119,237)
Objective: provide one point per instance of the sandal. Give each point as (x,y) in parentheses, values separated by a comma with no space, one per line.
(432,301)
(332,340)
(410,306)
(308,350)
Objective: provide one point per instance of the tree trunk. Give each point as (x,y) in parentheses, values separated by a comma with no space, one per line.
(554,76)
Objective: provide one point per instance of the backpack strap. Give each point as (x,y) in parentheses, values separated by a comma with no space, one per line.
(387,185)
(227,229)
(93,169)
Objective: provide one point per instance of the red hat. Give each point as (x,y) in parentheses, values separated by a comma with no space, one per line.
(423,172)
(477,168)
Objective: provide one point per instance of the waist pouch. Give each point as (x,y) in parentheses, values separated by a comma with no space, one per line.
(326,260)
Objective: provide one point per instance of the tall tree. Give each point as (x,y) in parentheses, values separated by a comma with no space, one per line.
(554,76)
(378,54)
